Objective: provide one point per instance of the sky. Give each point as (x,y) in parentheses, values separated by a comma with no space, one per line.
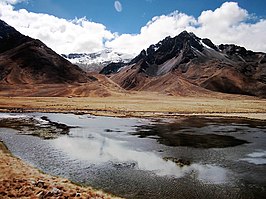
(128,26)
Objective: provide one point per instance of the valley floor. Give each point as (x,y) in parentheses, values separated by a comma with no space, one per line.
(17,179)
(141,105)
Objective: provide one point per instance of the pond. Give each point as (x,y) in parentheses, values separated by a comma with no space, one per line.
(187,157)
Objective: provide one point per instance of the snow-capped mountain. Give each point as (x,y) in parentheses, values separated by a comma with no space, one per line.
(97,61)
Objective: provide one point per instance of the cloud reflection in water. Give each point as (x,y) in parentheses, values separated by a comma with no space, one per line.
(257,158)
(96,148)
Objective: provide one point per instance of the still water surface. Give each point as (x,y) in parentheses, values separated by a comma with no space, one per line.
(133,158)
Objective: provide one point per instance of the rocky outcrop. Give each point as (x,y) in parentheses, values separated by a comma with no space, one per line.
(112,68)
(198,63)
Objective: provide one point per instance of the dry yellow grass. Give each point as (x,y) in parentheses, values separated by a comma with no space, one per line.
(142,105)
(20,180)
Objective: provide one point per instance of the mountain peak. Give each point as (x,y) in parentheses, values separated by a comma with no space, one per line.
(169,48)
(186,34)
(95,62)
(225,68)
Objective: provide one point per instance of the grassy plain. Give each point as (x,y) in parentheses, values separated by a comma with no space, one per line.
(142,105)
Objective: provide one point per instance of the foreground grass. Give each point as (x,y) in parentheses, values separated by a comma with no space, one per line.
(141,105)
(20,180)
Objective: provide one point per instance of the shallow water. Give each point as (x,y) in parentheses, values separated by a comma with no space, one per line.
(126,156)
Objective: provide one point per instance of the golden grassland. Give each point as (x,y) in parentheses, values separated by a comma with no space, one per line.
(142,105)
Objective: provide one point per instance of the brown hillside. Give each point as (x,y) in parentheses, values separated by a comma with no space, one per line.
(29,68)
(188,65)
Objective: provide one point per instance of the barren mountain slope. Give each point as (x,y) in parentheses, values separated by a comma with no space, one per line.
(29,68)
(200,65)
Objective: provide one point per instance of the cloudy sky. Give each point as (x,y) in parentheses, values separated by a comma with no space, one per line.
(132,25)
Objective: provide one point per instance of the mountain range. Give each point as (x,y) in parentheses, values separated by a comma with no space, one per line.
(187,64)
(183,65)
(95,62)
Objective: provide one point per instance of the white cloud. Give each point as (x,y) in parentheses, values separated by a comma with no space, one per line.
(155,30)
(63,36)
(227,15)
(227,24)
(11,1)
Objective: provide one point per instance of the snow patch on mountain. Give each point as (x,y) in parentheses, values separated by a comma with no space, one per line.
(97,61)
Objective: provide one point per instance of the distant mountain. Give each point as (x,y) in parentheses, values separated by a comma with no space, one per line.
(188,64)
(29,67)
(95,62)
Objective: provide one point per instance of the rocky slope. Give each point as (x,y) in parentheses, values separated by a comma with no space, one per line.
(29,68)
(187,64)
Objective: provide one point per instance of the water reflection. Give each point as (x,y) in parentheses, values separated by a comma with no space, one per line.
(12,116)
(105,153)
(98,149)
(257,158)
(193,132)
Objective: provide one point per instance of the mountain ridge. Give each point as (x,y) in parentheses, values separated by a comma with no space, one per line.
(95,62)
(225,68)
(182,65)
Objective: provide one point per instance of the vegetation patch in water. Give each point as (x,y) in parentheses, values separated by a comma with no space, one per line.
(43,128)
(178,161)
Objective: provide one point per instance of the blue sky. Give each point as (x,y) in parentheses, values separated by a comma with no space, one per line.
(135,13)
(85,26)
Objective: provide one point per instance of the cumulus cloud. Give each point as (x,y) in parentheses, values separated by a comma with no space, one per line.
(63,36)
(154,31)
(227,24)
